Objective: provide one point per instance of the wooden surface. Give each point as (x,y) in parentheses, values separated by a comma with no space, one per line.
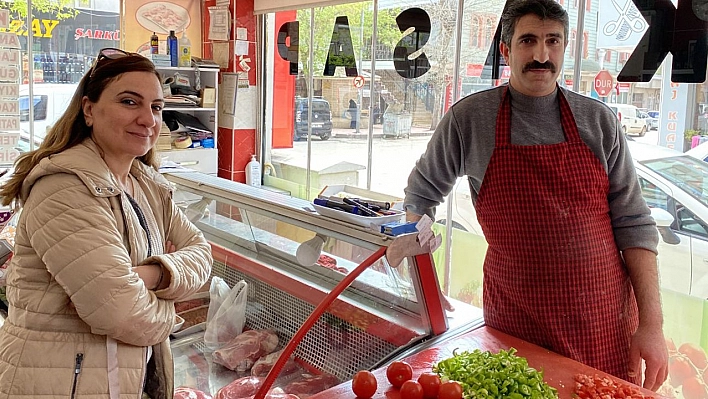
(558,371)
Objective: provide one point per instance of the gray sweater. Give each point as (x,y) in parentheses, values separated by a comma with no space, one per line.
(464,140)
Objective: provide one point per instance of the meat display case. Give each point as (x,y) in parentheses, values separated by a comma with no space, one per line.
(382,314)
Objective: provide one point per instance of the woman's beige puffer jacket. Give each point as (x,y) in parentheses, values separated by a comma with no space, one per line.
(81,321)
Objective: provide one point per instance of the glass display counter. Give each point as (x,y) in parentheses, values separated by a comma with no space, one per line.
(293,259)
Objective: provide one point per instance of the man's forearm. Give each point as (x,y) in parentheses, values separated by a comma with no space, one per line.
(644,274)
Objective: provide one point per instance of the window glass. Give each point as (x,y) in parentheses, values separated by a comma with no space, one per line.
(374,143)
(63,46)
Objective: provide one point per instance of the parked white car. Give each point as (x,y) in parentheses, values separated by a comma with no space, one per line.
(675,186)
(631,118)
(699,152)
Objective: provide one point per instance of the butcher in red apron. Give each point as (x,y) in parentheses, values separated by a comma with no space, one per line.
(553,274)
(571,262)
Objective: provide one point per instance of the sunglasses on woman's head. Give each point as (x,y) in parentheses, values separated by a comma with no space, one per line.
(108,54)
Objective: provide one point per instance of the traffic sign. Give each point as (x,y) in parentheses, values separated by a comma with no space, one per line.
(603,83)
(359,82)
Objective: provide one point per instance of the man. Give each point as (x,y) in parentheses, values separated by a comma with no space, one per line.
(571,263)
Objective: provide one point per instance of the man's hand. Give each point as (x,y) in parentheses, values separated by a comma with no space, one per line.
(648,343)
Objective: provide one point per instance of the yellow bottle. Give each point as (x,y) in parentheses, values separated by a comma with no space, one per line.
(185,51)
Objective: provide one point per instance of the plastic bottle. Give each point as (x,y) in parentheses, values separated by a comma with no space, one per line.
(173,49)
(185,51)
(154,43)
(253,172)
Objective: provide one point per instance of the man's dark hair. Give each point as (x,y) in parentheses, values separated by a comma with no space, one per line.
(544,9)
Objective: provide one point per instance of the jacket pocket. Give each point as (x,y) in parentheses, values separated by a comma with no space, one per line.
(77,371)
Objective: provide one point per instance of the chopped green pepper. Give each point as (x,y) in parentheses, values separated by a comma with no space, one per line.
(484,375)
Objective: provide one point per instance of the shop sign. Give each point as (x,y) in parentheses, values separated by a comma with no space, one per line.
(8,142)
(9,74)
(9,108)
(9,123)
(9,90)
(40,27)
(4,17)
(96,34)
(9,40)
(9,57)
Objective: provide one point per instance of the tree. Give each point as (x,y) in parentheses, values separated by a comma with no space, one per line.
(387,33)
(60,9)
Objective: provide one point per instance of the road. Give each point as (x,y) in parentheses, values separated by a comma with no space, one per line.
(392,159)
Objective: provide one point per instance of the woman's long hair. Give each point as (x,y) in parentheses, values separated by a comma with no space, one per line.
(71,129)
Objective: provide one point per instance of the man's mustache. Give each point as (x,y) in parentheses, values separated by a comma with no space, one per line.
(537,65)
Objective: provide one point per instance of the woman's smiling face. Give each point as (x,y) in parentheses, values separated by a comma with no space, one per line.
(127,117)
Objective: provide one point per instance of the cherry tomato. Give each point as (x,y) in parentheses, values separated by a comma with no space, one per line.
(450,390)
(364,384)
(411,390)
(431,385)
(399,372)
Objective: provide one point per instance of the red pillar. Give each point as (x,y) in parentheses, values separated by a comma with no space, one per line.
(236,139)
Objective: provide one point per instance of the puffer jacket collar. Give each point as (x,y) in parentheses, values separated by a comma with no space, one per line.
(85,161)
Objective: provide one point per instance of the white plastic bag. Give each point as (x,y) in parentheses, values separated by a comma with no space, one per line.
(226,320)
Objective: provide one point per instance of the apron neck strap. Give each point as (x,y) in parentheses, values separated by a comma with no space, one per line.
(503,128)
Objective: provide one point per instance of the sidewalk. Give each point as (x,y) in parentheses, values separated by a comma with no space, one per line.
(346,133)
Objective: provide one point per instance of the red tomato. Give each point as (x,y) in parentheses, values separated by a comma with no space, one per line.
(431,385)
(399,372)
(450,390)
(411,390)
(364,384)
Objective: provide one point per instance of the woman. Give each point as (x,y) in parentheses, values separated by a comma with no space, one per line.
(101,251)
(353,111)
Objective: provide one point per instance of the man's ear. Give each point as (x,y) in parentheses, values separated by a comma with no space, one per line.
(87,108)
(504,49)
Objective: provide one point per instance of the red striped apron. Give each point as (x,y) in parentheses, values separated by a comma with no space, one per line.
(553,274)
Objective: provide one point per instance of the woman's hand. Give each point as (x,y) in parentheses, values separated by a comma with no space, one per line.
(150,274)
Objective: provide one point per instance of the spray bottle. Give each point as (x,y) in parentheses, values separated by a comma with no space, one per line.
(253,172)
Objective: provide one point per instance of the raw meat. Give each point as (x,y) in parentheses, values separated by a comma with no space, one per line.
(241,353)
(240,388)
(263,365)
(311,384)
(190,393)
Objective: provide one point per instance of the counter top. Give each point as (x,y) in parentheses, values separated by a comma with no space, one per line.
(559,372)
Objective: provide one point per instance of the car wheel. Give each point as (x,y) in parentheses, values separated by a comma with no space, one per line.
(624,129)
(643,131)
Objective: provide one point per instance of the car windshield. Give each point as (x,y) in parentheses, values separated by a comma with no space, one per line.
(688,174)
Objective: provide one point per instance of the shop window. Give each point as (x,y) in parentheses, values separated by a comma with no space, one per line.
(585,45)
(571,43)
(623,57)
(608,56)
(489,30)
(475,33)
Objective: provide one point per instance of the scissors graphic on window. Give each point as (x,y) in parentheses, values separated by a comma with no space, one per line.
(628,20)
